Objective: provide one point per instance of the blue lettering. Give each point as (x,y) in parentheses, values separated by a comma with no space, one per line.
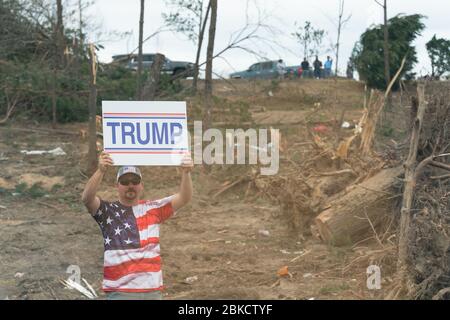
(113,126)
(128,133)
(147,133)
(174,134)
(159,136)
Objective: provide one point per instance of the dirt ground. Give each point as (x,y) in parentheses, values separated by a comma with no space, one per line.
(232,245)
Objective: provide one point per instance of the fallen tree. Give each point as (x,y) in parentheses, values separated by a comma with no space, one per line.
(355,215)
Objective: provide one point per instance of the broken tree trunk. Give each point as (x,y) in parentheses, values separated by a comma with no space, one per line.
(411,174)
(151,88)
(92,153)
(352,217)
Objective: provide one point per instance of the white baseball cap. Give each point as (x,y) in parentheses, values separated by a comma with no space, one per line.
(128,169)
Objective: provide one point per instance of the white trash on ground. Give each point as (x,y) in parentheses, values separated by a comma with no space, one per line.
(56,152)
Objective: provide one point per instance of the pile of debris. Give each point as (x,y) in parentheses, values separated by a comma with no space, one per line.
(331,184)
(428,242)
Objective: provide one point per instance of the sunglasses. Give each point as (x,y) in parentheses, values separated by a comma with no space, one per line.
(126,181)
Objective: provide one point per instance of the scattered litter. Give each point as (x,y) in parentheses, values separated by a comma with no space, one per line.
(2,157)
(228,262)
(345,125)
(56,152)
(312,298)
(321,128)
(284,271)
(190,280)
(284,251)
(227,242)
(317,104)
(358,129)
(15,194)
(263,232)
(214,240)
(19,275)
(270,93)
(301,255)
(307,275)
(3,207)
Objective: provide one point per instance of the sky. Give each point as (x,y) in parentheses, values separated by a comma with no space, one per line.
(281,15)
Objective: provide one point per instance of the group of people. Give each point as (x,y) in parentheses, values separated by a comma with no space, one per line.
(319,70)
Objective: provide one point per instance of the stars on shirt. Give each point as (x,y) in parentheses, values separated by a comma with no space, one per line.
(118,231)
(119,227)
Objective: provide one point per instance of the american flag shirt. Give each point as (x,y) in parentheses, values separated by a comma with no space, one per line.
(132,261)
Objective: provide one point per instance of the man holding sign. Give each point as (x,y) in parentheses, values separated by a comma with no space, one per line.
(130,226)
(145,132)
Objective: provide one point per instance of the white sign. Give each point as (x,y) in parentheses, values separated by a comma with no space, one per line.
(141,133)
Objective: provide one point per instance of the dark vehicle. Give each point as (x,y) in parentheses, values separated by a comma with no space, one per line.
(260,70)
(130,61)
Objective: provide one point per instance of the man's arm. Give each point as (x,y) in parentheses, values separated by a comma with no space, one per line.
(89,198)
(185,194)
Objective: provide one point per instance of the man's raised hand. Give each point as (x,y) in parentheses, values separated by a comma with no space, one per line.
(104,161)
(187,164)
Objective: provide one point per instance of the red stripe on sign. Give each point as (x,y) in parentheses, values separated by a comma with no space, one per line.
(145,114)
(149,240)
(147,152)
(150,217)
(133,290)
(133,266)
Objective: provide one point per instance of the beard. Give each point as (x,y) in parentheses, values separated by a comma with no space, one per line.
(131,194)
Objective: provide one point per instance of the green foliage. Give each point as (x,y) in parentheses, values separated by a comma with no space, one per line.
(169,87)
(30,72)
(35,191)
(368,54)
(21,188)
(20,38)
(439,53)
(116,83)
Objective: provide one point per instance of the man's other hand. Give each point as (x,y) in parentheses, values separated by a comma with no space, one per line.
(187,164)
(104,161)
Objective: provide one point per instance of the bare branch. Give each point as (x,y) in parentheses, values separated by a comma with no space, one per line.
(380,4)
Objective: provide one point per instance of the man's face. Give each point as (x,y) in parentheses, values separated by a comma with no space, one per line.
(129,186)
